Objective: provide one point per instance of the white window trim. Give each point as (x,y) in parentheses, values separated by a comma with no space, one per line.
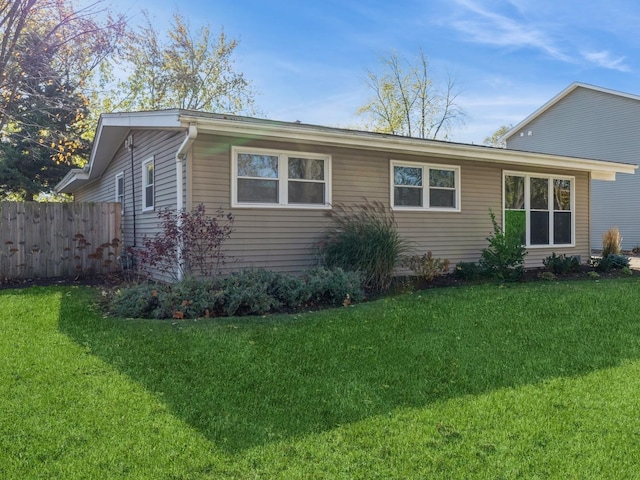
(283,179)
(425,187)
(527,200)
(145,207)
(118,176)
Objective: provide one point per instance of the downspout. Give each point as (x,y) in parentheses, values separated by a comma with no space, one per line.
(181,154)
(129,145)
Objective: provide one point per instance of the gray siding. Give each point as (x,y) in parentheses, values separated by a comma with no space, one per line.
(162,145)
(283,239)
(599,125)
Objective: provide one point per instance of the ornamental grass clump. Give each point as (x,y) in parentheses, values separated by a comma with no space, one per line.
(611,242)
(363,238)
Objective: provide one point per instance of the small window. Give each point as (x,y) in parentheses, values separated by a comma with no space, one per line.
(148,180)
(268,178)
(539,208)
(425,187)
(120,190)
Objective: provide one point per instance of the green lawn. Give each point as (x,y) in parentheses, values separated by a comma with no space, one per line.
(536,380)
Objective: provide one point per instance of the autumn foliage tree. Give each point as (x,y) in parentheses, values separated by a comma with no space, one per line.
(48,53)
(182,68)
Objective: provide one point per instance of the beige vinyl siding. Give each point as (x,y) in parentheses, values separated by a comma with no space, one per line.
(599,125)
(283,238)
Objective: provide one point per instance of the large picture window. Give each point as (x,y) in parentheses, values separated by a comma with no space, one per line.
(268,178)
(417,186)
(540,208)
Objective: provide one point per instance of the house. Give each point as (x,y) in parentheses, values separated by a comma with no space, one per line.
(279,179)
(592,122)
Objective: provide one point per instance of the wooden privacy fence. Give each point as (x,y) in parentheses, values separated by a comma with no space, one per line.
(44,240)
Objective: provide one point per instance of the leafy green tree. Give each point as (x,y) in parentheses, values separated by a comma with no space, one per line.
(405,100)
(184,69)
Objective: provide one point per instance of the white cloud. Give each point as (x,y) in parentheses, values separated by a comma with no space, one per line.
(604,59)
(496,29)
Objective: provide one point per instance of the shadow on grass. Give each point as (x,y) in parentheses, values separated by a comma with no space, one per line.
(247,382)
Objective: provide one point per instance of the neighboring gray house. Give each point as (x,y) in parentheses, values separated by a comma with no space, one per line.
(279,179)
(592,122)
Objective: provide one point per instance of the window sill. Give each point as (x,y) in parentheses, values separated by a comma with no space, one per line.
(276,206)
(541,247)
(421,209)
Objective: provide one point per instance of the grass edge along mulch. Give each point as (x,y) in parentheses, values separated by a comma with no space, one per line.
(477,382)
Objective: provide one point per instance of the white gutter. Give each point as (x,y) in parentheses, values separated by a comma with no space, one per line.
(181,154)
(602,170)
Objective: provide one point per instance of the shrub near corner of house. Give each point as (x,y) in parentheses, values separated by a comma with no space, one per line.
(248,292)
(362,238)
(503,259)
(194,236)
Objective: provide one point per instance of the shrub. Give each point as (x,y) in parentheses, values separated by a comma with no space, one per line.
(139,301)
(249,292)
(333,287)
(426,266)
(467,271)
(547,276)
(626,271)
(503,259)
(593,275)
(562,264)
(190,243)
(364,239)
(610,262)
(611,242)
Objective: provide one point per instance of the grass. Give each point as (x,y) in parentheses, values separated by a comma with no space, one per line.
(527,381)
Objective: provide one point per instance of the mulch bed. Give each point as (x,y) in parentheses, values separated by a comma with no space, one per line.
(400,283)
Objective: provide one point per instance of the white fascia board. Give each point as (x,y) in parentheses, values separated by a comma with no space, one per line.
(391,143)
(158,119)
(64,185)
(121,122)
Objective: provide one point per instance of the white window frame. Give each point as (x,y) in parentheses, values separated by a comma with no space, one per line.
(283,178)
(527,206)
(119,195)
(425,186)
(145,185)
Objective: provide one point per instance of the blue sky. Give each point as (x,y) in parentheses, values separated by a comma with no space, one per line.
(307,59)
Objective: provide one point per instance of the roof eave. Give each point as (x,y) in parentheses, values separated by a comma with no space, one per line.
(393,144)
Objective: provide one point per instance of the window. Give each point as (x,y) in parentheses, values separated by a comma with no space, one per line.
(539,208)
(120,190)
(425,187)
(268,178)
(148,180)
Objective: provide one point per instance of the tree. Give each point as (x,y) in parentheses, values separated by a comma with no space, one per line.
(494,139)
(48,53)
(190,70)
(406,101)
(45,136)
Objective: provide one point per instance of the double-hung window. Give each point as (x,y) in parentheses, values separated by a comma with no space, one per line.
(271,178)
(148,182)
(417,186)
(120,190)
(540,208)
